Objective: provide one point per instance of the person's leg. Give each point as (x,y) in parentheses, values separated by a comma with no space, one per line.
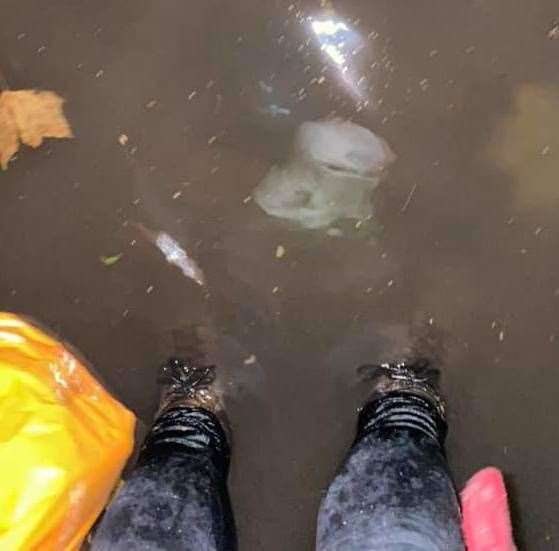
(176,497)
(394,490)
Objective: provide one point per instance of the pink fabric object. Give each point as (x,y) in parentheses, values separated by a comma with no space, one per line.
(486,518)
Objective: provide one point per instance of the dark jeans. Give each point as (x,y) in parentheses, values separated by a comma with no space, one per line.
(394,491)
(176,498)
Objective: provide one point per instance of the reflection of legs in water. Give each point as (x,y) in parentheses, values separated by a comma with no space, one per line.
(176,497)
(394,491)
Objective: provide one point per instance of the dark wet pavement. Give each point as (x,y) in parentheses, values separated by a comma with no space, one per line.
(460,260)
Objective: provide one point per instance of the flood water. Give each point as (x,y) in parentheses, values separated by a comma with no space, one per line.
(459,260)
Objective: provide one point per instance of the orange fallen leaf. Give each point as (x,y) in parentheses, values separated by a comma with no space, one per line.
(29,116)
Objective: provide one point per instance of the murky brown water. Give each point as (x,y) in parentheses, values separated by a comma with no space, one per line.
(462,249)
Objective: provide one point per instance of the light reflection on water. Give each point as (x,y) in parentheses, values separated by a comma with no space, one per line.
(340,43)
(526,145)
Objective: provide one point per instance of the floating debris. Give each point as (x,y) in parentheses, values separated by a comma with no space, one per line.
(280,251)
(553,33)
(110,260)
(29,116)
(175,254)
(265,87)
(123,139)
(275,110)
(250,360)
(409,198)
(334,168)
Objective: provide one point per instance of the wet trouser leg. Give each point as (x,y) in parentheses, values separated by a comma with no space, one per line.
(394,491)
(176,497)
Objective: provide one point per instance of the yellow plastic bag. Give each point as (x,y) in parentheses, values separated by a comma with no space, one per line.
(63,442)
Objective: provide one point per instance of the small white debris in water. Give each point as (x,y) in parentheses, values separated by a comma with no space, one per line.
(99,73)
(433,53)
(275,290)
(390,283)
(177,256)
(212,140)
(334,232)
(177,194)
(358,224)
(431,321)
(538,230)
(501,336)
(125,313)
(369,290)
(250,360)
(280,251)
(123,139)
(424,84)
(21,36)
(247,199)
(265,87)
(151,104)
(321,79)
(493,324)
(41,49)
(149,289)
(192,95)
(136,201)
(545,150)
(470,49)
(553,33)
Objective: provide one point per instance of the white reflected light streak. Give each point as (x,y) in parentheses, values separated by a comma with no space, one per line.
(338,40)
